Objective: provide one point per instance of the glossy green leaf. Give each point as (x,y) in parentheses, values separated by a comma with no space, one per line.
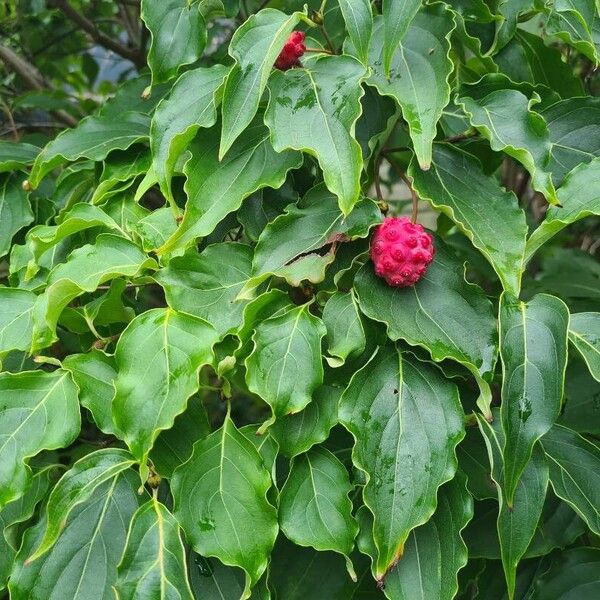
(582,393)
(285,366)
(158,357)
(191,105)
(584,334)
(206,285)
(314,508)
(178,34)
(38,411)
(15,155)
(255,47)
(315,110)
(358,17)
(153,564)
(404,464)
(579,197)
(87,267)
(345,329)
(503,113)
(420,73)
(254,165)
(93,138)
(533,349)
(220,501)
(15,210)
(82,565)
(299,432)
(574,472)
(397,17)
(210,579)
(457,186)
(155,229)
(16,327)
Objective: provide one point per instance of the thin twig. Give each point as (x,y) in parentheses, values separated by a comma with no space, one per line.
(327,38)
(322,50)
(377,178)
(415,199)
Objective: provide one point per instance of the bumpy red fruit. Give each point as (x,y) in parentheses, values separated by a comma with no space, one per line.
(401,251)
(293,49)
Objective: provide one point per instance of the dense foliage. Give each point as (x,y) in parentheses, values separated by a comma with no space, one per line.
(206,390)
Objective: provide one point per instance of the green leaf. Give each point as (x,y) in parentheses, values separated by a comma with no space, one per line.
(299,432)
(207,284)
(153,564)
(158,357)
(575,472)
(315,110)
(191,104)
(285,366)
(404,464)
(574,574)
(94,374)
(220,501)
(210,579)
(75,487)
(314,508)
(345,329)
(457,186)
(582,393)
(155,229)
(178,34)
(533,349)
(15,211)
(584,334)
(253,166)
(82,565)
(579,197)
(38,411)
(397,17)
(255,47)
(501,111)
(87,267)
(15,155)
(420,73)
(358,17)
(16,325)
(93,138)
(442,313)
(288,242)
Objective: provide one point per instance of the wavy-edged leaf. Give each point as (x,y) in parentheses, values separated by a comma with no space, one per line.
(15,210)
(87,267)
(575,472)
(358,17)
(533,349)
(457,186)
(215,188)
(93,138)
(442,313)
(38,411)
(82,565)
(191,104)
(299,432)
(502,111)
(579,197)
(345,329)
(153,564)
(255,47)
(397,17)
(574,574)
(584,334)
(15,155)
(178,34)
(16,325)
(158,358)
(155,229)
(285,366)
(406,420)
(315,110)
(420,72)
(220,501)
(207,284)
(314,508)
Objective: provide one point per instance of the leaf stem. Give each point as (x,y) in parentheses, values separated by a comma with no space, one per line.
(415,199)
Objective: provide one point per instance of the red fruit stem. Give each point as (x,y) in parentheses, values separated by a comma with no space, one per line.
(415,199)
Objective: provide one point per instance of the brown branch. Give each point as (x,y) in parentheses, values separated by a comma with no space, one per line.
(99,36)
(33,79)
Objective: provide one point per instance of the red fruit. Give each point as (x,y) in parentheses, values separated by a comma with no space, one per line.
(293,49)
(401,251)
